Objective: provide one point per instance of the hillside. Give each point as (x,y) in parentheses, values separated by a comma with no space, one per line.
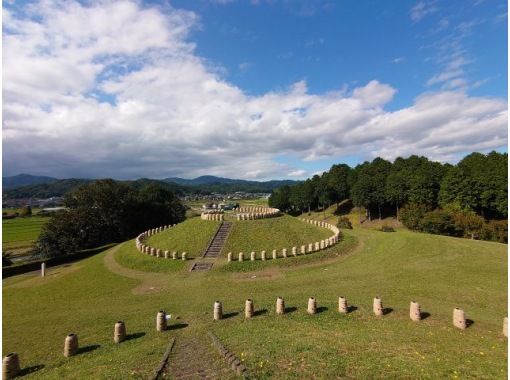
(37,187)
(439,272)
(25,180)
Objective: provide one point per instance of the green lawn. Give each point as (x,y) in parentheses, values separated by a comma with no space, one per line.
(272,233)
(21,232)
(190,236)
(439,272)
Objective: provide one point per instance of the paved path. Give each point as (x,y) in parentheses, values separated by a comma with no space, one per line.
(214,248)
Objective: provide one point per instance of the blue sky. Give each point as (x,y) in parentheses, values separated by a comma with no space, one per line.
(250,89)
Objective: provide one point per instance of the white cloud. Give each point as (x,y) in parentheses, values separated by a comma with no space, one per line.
(398,60)
(422,9)
(173,114)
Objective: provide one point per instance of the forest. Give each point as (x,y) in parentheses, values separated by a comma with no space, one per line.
(467,199)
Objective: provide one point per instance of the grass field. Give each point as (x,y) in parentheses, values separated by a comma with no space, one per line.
(272,233)
(21,232)
(439,272)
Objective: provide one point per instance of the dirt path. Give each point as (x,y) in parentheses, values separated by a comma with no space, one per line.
(151,282)
(193,357)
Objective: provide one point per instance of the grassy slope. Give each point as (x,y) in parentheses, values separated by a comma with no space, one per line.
(439,272)
(190,236)
(272,233)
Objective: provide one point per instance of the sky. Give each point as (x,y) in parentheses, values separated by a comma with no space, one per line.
(261,89)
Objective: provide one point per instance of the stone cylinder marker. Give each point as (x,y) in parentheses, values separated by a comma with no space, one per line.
(183,256)
(70,345)
(263,255)
(280,306)
(415,311)
(284,252)
(241,256)
(218,311)
(378,306)
(161,321)
(505,326)
(166,254)
(312,306)
(294,251)
(310,247)
(248,308)
(342,304)
(119,333)
(229,257)
(43,269)
(459,318)
(303,249)
(10,366)
(275,254)
(252,256)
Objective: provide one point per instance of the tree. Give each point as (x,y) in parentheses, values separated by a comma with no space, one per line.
(107,211)
(25,211)
(280,198)
(338,182)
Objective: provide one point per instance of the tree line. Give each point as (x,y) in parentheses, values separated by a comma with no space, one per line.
(475,190)
(107,211)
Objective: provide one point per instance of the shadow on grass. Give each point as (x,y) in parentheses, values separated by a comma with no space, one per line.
(290,309)
(177,326)
(256,313)
(387,310)
(230,315)
(424,315)
(322,309)
(89,348)
(32,369)
(135,335)
(469,323)
(351,309)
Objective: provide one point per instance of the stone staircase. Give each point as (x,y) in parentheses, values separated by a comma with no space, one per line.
(217,243)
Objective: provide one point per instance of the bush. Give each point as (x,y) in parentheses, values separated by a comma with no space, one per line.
(495,230)
(439,222)
(386,228)
(25,211)
(344,222)
(411,215)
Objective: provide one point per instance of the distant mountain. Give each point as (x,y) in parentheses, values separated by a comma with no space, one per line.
(211,182)
(25,180)
(201,185)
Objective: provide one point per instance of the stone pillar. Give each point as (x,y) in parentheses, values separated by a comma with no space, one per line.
(316,246)
(321,244)
(161,321)
(275,254)
(218,311)
(415,311)
(280,306)
(342,305)
(70,345)
(263,255)
(147,250)
(312,306)
(158,252)
(294,251)
(229,257)
(43,269)
(248,308)
(241,256)
(166,254)
(252,256)
(119,332)
(10,366)
(183,256)
(174,255)
(284,252)
(326,243)
(303,249)
(505,326)
(153,251)
(378,307)
(459,318)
